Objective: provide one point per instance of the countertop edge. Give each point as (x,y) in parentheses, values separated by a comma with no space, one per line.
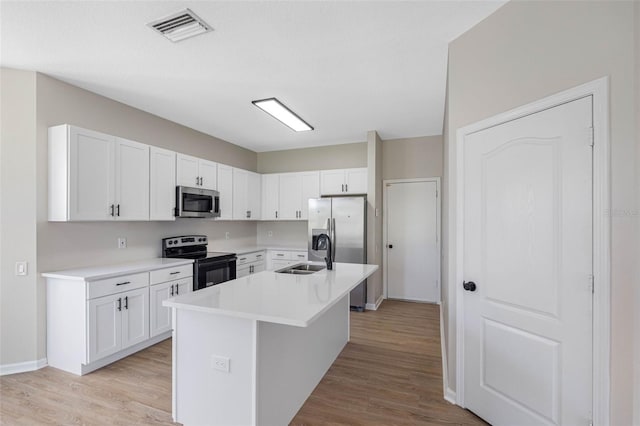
(85,274)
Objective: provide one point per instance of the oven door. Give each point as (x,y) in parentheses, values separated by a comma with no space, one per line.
(209,272)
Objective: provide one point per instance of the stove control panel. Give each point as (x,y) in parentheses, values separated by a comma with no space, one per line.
(186,240)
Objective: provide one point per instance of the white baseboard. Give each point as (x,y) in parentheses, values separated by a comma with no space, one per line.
(22,367)
(450,395)
(374,306)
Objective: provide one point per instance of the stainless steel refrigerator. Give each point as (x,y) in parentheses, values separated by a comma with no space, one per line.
(344,220)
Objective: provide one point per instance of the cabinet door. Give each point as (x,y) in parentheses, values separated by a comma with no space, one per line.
(105,326)
(187,171)
(356,181)
(132,180)
(240,194)
(332,182)
(225,187)
(258,267)
(91,168)
(160,316)
(162,185)
(242,272)
(135,316)
(270,196)
(184,286)
(290,193)
(255,196)
(208,172)
(310,189)
(278,264)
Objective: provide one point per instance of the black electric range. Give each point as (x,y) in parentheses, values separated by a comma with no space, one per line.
(209,268)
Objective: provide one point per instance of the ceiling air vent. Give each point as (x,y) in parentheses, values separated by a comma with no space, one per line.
(180,26)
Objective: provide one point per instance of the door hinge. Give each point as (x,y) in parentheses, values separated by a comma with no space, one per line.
(591,280)
(590,137)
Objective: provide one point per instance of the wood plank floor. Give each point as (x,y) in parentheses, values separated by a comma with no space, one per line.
(390,373)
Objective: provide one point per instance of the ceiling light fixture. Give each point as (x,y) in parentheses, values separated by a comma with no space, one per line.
(280,112)
(180,25)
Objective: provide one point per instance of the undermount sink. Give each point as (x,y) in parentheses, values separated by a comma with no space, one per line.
(301,269)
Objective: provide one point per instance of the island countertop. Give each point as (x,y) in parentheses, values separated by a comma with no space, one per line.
(268,296)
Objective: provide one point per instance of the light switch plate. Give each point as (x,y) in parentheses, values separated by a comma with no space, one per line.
(22,268)
(122,242)
(220,363)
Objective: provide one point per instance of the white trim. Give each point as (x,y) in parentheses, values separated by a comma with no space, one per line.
(449,394)
(22,367)
(385,215)
(599,90)
(374,306)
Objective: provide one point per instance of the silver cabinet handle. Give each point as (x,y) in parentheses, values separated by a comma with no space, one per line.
(197,181)
(258,255)
(112,207)
(123,283)
(120,303)
(342,188)
(177,288)
(243,258)
(276,214)
(279,254)
(172,289)
(346,187)
(118,210)
(174,273)
(126,302)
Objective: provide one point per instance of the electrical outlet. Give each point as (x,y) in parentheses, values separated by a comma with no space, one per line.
(122,242)
(226,235)
(270,234)
(221,363)
(21,268)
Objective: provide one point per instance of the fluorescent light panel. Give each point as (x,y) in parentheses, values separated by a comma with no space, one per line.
(280,112)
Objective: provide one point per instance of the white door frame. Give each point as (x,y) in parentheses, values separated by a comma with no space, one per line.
(599,91)
(384,229)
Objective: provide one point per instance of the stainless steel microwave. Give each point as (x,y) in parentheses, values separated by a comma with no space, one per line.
(197,202)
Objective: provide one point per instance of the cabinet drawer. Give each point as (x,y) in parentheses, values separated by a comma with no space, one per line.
(300,256)
(255,256)
(280,255)
(116,285)
(170,274)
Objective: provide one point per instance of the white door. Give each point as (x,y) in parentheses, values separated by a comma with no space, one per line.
(332,182)
(225,187)
(355,181)
(187,171)
(162,184)
(105,329)
(132,180)
(290,192)
(240,194)
(135,317)
(91,180)
(208,172)
(413,257)
(160,316)
(310,189)
(270,196)
(527,249)
(255,196)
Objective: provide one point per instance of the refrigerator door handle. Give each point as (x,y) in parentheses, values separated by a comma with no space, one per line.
(333,240)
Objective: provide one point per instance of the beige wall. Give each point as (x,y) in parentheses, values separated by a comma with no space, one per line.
(374,222)
(18,316)
(526,51)
(324,157)
(636,356)
(65,245)
(412,158)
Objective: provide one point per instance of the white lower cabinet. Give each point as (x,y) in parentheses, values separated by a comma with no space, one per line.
(161,316)
(117,321)
(278,259)
(94,322)
(250,263)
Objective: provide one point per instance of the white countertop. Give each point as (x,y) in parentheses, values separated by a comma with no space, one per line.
(277,298)
(109,271)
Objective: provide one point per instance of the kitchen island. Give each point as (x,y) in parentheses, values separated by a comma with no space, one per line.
(250,351)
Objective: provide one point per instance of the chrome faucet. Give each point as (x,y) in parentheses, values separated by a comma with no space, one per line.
(317,245)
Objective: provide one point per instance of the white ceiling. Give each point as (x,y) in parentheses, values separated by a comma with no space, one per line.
(345,67)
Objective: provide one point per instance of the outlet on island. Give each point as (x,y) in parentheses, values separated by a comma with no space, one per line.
(226,235)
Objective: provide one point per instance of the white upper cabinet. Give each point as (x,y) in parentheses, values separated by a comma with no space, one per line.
(285,196)
(246,195)
(270,196)
(132,180)
(195,172)
(255,196)
(225,188)
(94,176)
(343,181)
(162,184)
